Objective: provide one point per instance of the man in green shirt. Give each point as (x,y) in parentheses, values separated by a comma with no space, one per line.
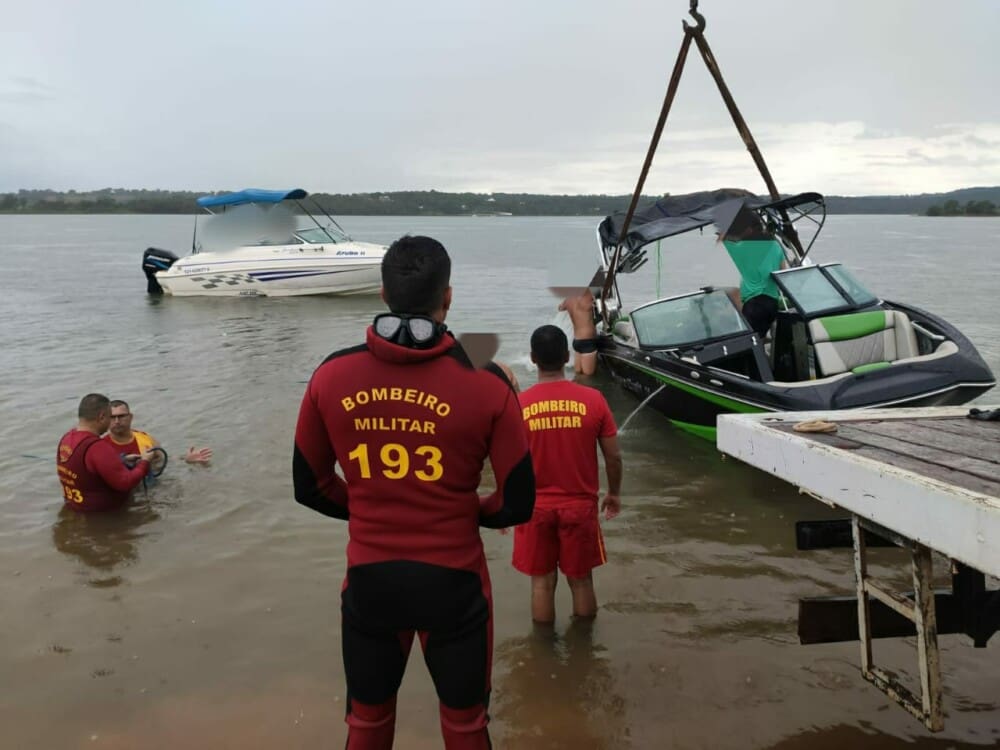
(756,254)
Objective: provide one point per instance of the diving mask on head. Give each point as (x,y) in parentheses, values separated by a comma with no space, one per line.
(413,331)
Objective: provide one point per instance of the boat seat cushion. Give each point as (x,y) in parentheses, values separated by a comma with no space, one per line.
(862,342)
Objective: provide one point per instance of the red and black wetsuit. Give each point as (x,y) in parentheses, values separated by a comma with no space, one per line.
(92,474)
(412,429)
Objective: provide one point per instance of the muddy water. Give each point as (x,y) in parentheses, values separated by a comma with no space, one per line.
(206,615)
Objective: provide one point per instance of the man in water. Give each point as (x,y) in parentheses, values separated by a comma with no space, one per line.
(566,422)
(133,442)
(91,472)
(581,312)
(411,422)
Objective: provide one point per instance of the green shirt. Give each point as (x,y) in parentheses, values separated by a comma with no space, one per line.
(755,259)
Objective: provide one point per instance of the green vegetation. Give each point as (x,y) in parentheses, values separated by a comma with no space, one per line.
(980,201)
(972,208)
(407,203)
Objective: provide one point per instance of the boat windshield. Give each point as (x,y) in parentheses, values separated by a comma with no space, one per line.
(684,320)
(822,289)
(858,293)
(248,224)
(317,235)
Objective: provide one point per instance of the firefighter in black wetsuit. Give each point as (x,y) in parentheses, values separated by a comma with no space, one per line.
(411,422)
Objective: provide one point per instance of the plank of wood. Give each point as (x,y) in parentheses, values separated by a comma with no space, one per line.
(850,437)
(926,435)
(989,431)
(932,471)
(984,469)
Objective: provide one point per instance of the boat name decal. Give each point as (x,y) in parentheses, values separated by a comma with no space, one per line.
(196,269)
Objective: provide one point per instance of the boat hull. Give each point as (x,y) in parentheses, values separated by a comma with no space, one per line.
(282,271)
(692,395)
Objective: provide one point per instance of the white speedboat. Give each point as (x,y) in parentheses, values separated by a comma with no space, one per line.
(252,245)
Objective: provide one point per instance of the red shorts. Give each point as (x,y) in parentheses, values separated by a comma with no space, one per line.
(568,535)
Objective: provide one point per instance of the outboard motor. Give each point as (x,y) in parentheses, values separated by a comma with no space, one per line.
(154,260)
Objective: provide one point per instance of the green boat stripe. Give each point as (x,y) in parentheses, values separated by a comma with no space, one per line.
(699,430)
(726,403)
(853,325)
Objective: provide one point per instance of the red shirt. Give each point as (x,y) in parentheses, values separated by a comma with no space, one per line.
(411,430)
(564,421)
(92,474)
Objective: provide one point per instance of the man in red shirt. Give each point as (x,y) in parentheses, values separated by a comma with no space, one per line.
(566,422)
(91,472)
(411,422)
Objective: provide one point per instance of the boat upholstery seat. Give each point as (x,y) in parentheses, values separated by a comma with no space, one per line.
(862,342)
(624,332)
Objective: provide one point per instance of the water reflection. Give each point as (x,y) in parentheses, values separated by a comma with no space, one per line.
(104,542)
(559,692)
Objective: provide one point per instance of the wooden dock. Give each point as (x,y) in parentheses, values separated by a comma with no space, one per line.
(927,480)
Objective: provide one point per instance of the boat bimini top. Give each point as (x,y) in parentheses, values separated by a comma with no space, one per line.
(677,214)
(251,195)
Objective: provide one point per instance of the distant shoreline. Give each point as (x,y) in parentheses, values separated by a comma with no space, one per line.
(435,203)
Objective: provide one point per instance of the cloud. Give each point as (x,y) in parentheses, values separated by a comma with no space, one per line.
(26,90)
(843,158)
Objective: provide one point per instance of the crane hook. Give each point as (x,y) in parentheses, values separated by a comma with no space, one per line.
(699,27)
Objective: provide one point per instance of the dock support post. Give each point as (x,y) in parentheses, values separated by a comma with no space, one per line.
(921,611)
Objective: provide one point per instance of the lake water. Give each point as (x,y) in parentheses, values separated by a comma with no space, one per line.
(206,616)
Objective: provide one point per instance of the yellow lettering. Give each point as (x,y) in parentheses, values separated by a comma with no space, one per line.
(347,402)
(361,455)
(73,495)
(361,397)
(380,394)
(443,409)
(430,401)
(395,394)
(432,456)
(362,423)
(396,459)
(577,422)
(428,428)
(410,396)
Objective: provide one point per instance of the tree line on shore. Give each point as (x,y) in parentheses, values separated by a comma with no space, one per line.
(971,208)
(980,201)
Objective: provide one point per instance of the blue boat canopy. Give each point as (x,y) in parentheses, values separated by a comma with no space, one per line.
(251,195)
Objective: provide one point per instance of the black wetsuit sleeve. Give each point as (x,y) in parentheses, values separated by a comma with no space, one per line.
(514,499)
(314,460)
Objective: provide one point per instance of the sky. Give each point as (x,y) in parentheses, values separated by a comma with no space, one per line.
(852,97)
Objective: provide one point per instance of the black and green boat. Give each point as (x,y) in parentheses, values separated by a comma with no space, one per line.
(834,344)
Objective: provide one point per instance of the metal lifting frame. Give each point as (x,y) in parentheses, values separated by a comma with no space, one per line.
(696,33)
(921,612)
